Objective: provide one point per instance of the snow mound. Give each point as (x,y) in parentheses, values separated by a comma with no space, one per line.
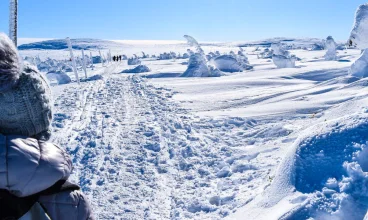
(360,67)
(323,176)
(331,49)
(137,69)
(59,77)
(229,63)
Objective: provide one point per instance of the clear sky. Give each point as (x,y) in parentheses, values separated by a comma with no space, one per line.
(206,20)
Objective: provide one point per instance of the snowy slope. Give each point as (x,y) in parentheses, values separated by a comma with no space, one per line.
(157,146)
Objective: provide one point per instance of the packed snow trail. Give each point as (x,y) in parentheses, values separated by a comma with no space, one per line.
(137,155)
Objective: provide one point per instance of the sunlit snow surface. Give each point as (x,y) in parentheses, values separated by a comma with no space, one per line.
(260,144)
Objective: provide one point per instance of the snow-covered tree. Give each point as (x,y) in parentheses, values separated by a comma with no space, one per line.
(359,38)
(198,65)
(330,45)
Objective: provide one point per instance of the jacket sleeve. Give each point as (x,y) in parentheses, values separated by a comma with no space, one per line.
(68,205)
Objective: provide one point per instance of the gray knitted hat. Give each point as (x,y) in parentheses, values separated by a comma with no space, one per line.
(25,105)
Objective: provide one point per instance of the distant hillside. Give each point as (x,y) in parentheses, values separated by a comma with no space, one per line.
(60,44)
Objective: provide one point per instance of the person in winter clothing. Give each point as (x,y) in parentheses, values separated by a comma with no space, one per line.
(29,164)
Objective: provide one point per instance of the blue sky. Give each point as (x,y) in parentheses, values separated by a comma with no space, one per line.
(206,20)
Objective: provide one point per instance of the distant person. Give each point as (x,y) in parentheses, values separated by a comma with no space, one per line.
(120,57)
(34,180)
(114,58)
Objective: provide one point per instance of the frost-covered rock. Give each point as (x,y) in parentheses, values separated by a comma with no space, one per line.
(331,49)
(281,57)
(137,69)
(60,77)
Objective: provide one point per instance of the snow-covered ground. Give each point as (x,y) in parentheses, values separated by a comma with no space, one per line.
(157,146)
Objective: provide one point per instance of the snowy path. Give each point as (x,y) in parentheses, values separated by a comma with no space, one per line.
(137,155)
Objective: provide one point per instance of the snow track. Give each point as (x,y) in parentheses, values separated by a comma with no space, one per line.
(137,155)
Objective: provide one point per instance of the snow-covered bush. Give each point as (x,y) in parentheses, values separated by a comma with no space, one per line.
(185,56)
(281,57)
(284,62)
(137,69)
(198,65)
(167,56)
(266,53)
(359,38)
(134,61)
(316,46)
(331,48)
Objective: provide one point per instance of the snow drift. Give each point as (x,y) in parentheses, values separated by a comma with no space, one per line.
(323,176)
(137,69)
(60,77)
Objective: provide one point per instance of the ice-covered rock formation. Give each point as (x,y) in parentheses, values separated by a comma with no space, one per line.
(330,45)
(198,65)
(359,38)
(137,69)
(281,57)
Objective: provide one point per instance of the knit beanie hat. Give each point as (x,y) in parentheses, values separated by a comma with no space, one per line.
(25,105)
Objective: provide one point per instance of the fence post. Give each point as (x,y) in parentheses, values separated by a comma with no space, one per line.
(72,58)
